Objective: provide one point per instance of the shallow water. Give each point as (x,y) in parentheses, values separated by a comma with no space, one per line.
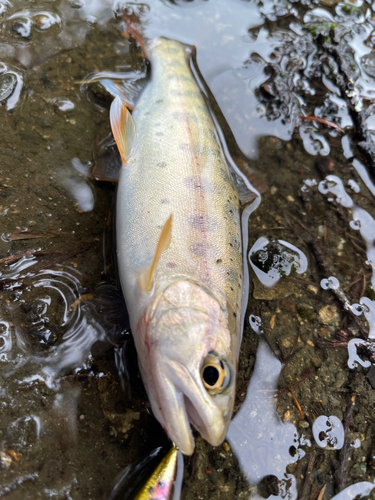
(73,410)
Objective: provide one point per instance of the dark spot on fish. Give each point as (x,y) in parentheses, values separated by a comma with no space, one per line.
(151,489)
(230,244)
(219,261)
(235,315)
(232,276)
(202,222)
(165,201)
(171,265)
(211,133)
(232,289)
(159,134)
(159,101)
(161,164)
(161,484)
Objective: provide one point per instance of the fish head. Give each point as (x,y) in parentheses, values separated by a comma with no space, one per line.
(188,365)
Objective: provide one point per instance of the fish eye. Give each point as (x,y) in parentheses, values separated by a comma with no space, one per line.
(215,374)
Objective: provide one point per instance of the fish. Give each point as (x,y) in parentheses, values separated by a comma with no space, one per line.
(159,486)
(179,249)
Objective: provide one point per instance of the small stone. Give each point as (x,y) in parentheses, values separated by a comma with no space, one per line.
(272,321)
(316,362)
(72,121)
(313,289)
(288,415)
(226,446)
(323,333)
(303,424)
(290,198)
(286,343)
(273,190)
(310,343)
(5,459)
(328,315)
(289,305)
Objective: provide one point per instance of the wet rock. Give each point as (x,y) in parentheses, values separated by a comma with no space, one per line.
(328,315)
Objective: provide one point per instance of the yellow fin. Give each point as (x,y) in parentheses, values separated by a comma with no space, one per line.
(123,127)
(162,246)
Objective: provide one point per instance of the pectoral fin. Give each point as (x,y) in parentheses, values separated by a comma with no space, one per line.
(163,245)
(123,127)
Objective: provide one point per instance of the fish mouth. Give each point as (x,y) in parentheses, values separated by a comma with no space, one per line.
(185,403)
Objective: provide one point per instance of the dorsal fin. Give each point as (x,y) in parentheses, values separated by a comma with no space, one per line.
(123,127)
(163,245)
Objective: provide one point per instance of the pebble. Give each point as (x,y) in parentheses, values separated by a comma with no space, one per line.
(323,333)
(288,415)
(303,424)
(316,362)
(328,315)
(286,343)
(289,305)
(313,289)
(226,446)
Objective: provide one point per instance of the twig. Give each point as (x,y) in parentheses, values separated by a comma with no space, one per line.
(297,404)
(310,466)
(342,470)
(339,292)
(322,120)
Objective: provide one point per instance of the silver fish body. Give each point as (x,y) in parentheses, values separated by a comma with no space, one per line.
(186,324)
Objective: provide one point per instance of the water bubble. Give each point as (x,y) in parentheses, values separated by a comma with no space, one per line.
(307,184)
(5,6)
(354,186)
(355,224)
(354,360)
(356,309)
(368,63)
(24,23)
(62,104)
(11,83)
(333,185)
(356,443)
(256,324)
(273,259)
(331,283)
(76,4)
(328,432)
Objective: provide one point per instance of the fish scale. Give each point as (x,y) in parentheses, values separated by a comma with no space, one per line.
(176,168)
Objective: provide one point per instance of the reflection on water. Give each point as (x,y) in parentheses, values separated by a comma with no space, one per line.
(261,441)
